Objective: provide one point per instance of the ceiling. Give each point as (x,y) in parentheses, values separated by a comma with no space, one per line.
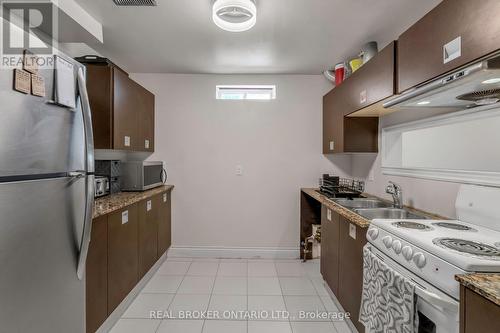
(290,37)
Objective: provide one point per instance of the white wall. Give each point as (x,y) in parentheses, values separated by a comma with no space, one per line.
(202,140)
(429,195)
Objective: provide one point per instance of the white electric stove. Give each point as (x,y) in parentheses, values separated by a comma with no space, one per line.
(437,250)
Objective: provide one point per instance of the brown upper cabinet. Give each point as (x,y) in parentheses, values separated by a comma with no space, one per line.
(372,84)
(351,110)
(423,48)
(122,110)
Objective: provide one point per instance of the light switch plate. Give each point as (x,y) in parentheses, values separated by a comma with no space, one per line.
(126,142)
(328,215)
(146,144)
(124,217)
(164,197)
(332,145)
(148,205)
(352,231)
(239,170)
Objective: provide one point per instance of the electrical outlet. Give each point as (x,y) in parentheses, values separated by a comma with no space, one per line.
(239,170)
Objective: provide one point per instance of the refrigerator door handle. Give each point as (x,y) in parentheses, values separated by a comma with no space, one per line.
(87,121)
(89,186)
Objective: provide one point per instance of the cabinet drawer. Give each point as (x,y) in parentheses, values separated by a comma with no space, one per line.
(421,56)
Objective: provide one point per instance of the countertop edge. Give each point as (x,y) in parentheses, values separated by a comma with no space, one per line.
(485,284)
(114,202)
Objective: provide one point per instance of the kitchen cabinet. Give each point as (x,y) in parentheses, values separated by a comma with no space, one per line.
(352,240)
(96,289)
(148,234)
(351,110)
(477,314)
(164,234)
(343,134)
(123,259)
(330,245)
(122,110)
(473,25)
(372,84)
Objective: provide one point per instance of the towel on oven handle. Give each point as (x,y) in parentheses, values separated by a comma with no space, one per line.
(388,301)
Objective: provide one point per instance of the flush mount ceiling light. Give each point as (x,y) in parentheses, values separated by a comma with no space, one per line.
(234,15)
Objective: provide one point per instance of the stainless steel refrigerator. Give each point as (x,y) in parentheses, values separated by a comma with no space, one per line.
(46,202)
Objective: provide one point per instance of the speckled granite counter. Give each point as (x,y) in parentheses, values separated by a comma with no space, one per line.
(114,202)
(350,215)
(486,285)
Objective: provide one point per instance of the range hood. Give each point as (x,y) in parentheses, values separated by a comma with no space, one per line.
(474,85)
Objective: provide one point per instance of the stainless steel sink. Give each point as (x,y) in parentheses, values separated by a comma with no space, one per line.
(387,213)
(362,203)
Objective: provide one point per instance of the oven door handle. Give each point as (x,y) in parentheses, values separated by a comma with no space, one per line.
(436,300)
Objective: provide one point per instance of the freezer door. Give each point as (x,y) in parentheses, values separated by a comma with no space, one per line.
(37,137)
(41,225)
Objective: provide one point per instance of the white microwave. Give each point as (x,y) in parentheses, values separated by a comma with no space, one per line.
(142,175)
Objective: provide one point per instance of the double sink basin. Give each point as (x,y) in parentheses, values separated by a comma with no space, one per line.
(376,209)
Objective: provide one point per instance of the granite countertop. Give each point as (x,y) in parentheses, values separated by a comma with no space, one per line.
(485,284)
(117,201)
(353,217)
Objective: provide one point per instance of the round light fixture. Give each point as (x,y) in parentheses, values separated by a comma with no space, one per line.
(234,15)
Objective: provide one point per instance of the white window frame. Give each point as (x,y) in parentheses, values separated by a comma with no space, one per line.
(391,138)
(246,90)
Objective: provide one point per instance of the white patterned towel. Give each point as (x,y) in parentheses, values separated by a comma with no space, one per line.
(388,302)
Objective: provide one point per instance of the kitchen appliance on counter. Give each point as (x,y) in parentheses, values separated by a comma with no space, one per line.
(432,252)
(111,170)
(46,202)
(336,187)
(142,175)
(101,186)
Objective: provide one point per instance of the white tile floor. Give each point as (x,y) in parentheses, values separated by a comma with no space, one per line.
(232,288)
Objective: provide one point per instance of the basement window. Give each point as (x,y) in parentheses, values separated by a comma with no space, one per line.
(250,92)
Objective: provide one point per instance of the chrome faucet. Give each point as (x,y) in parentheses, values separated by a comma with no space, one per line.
(397,194)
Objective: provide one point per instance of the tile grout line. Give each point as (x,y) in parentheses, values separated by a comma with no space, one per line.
(175,294)
(211,293)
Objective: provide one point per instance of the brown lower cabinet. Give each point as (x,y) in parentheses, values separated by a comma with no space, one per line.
(163,203)
(330,234)
(96,291)
(342,263)
(124,246)
(148,235)
(123,258)
(478,314)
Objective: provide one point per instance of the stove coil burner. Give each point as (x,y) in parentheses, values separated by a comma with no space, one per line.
(412,225)
(454,226)
(475,249)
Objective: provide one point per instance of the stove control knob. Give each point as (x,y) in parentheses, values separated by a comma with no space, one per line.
(373,233)
(419,260)
(396,246)
(387,240)
(407,252)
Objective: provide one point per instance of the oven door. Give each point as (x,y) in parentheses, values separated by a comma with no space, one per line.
(153,175)
(437,312)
